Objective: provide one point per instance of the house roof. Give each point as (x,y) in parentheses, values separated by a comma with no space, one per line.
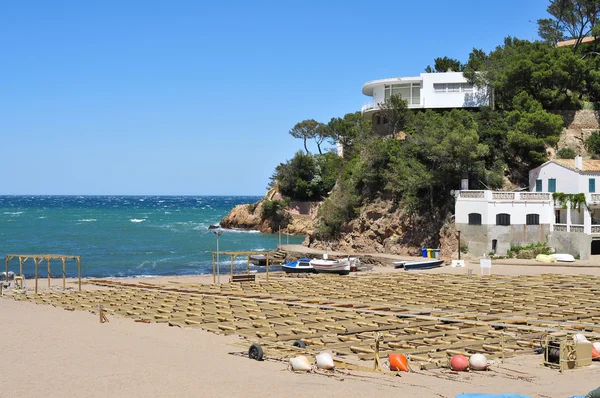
(588,165)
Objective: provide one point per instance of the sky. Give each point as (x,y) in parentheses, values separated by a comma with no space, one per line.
(196,97)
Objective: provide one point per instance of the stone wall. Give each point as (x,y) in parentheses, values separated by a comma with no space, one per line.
(479,238)
(572,243)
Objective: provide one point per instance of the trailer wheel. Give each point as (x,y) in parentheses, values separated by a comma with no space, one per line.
(299,344)
(255,352)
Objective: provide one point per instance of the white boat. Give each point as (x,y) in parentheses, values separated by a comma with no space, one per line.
(408,265)
(563,257)
(325,266)
(299,266)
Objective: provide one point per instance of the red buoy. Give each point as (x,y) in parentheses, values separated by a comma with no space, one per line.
(459,363)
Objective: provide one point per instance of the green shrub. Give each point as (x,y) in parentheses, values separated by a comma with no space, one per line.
(528,251)
(566,153)
(592,144)
(274,213)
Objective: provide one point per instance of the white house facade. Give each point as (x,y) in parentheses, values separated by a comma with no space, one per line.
(428,90)
(491,221)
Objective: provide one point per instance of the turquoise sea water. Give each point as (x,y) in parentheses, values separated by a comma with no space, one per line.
(121,236)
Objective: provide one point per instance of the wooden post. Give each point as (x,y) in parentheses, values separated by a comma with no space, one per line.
(21,266)
(79,271)
(36,261)
(64,272)
(231,271)
(48,260)
(248,264)
(7,268)
(267,266)
(458,244)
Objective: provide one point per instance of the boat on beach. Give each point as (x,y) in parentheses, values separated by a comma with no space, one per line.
(408,265)
(325,266)
(300,266)
(563,257)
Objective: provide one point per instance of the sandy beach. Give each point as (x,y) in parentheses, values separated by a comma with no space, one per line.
(53,352)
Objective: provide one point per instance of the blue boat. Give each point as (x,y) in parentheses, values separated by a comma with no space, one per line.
(299,266)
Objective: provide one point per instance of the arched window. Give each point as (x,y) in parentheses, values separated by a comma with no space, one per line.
(474,219)
(502,219)
(532,219)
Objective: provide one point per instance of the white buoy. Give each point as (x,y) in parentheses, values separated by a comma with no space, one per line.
(325,361)
(300,364)
(478,362)
(597,346)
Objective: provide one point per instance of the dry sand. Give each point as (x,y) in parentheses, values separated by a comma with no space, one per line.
(52,352)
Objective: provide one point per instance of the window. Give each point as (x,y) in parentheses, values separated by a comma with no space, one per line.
(474,219)
(439,87)
(378,120)
(552,185)
(503,219)
(592,185)
(467,88)
(453,87)
(532,219)
(538,185)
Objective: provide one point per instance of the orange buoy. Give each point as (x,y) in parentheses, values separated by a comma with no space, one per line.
(459,363)
(398,363)
(595,353)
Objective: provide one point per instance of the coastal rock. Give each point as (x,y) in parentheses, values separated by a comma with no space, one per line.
(243,216)
(300,216)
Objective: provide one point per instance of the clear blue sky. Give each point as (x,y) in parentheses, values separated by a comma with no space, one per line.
(197,97)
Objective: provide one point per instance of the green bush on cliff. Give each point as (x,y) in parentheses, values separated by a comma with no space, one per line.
(273,211)
(307,177)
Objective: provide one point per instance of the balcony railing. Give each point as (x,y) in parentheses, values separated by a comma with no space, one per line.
(415,102)
(509,196)
(560,227)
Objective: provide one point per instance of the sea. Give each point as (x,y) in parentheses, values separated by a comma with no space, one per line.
(127,236)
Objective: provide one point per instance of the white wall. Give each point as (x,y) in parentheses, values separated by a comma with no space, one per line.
(567,180)
(430,98)
(489,208)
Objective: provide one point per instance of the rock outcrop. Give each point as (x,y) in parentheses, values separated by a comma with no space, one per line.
(299,216)
(579,125)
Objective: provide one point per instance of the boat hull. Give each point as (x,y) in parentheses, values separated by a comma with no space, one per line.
(302,266)
(422,264)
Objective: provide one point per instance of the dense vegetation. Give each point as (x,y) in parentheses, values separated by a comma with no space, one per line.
(421,156)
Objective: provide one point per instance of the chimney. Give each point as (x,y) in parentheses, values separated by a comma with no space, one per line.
(578,162)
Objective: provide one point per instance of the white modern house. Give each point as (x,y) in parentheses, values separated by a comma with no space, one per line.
(491,221)
(428,90)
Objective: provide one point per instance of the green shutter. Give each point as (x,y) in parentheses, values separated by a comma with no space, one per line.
(552,185)
(592,185)
(538,185)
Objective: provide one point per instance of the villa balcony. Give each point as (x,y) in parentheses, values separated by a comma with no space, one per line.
(491,196)
(370,107)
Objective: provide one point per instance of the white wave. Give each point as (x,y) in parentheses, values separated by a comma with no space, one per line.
(13,213)
(167,212)
(42,217)
(240,231)
(87,220)
(262,249)
(137,220)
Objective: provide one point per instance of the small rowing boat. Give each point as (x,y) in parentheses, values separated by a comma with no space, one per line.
(563,257)
(300,266)
(324,266)
(408,265)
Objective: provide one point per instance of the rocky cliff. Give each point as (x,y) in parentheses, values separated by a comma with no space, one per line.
(299,216)
(579,125)
(383,227)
